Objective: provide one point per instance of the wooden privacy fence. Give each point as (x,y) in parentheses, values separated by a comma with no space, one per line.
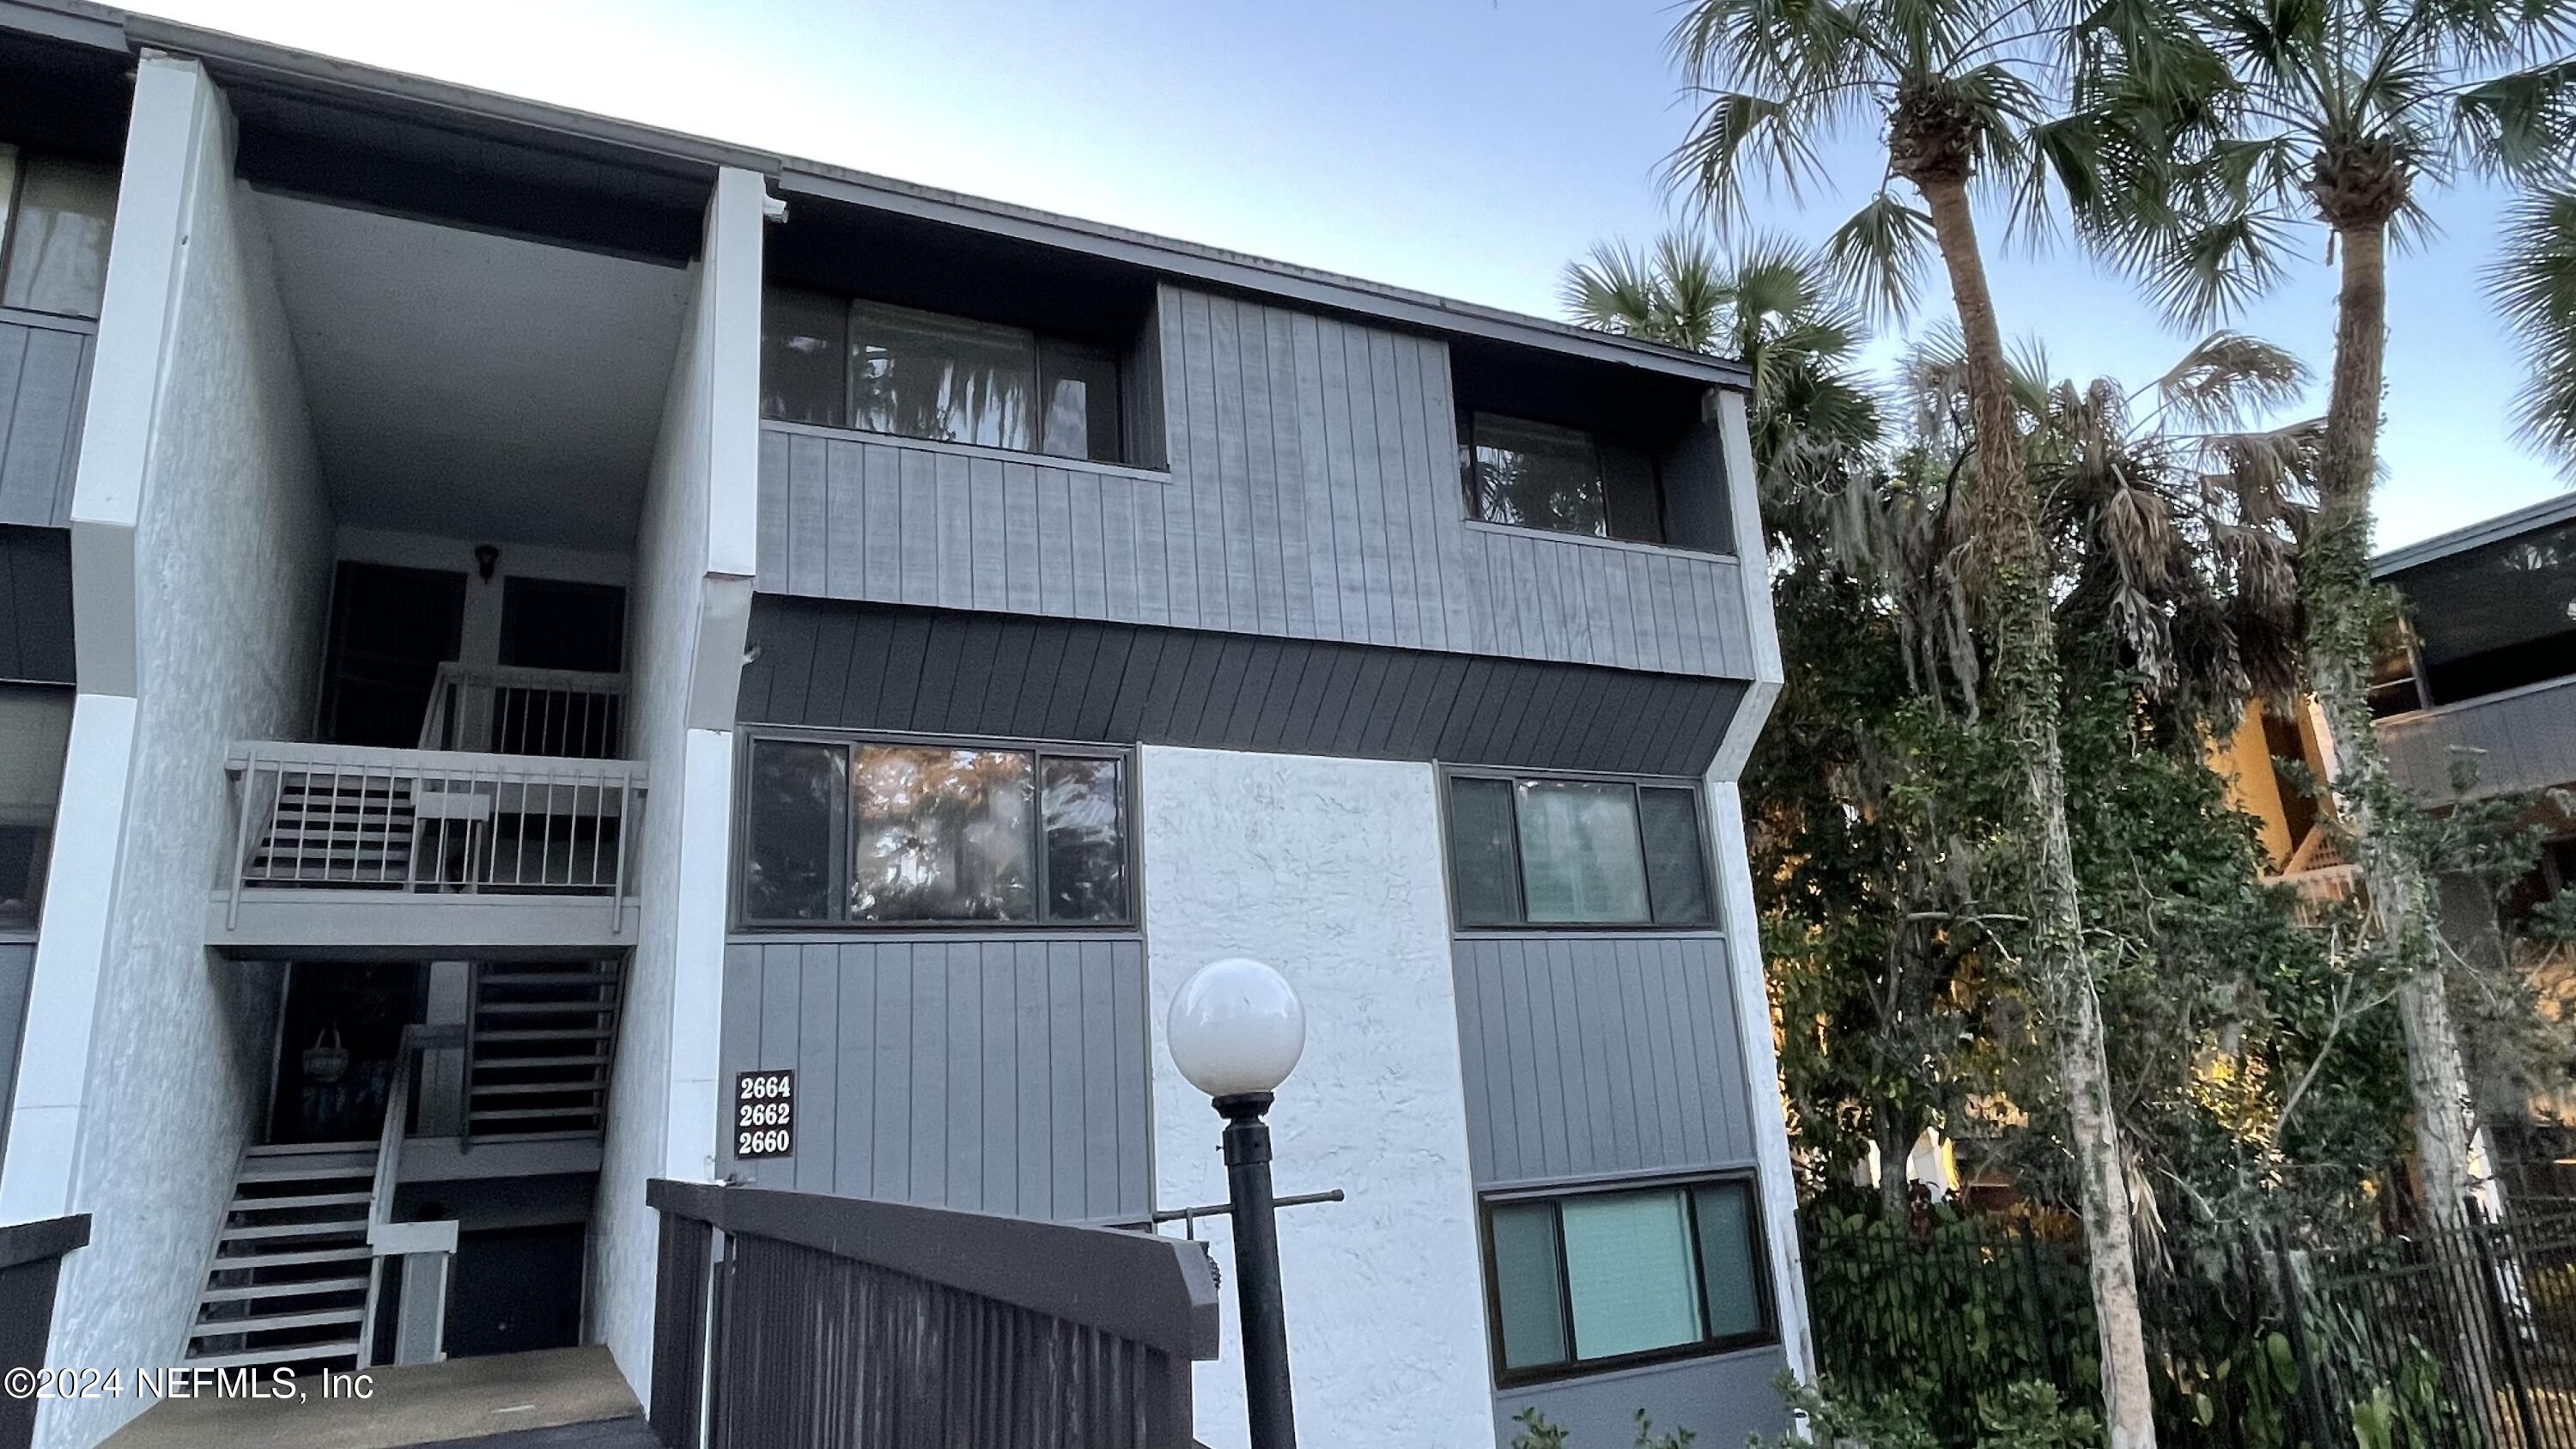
(31,1262)
(791,1320)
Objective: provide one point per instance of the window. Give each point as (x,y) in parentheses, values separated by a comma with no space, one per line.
(898,833)
(55,220)
(35,730)
(886,369)
(1570,852)
(1603,1278)
(1538,475)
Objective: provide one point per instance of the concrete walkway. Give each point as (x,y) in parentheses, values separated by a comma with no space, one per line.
(568,1398)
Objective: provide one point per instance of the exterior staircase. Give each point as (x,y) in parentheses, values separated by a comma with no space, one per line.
(337,829)
(289,1284)
(543,1036)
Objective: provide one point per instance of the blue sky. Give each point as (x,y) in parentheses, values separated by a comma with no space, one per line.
(1466,147)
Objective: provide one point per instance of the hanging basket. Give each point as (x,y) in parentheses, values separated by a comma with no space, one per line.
(326,1061)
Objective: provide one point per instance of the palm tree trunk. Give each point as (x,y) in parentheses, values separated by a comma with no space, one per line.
(2025,682)
(2334,573)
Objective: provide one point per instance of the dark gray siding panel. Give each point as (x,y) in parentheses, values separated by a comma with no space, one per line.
(1586,1056)
(832,665)
(17,973)
(1312,494)
(36,605)
(44,377)
(1000,1075)
(1721,1400)
(2527,740)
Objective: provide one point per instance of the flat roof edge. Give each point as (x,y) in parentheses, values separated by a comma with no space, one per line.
(2485,531)
(242,54)
(95,26)
(1247,272)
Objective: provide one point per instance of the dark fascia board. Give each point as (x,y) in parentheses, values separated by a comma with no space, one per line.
(22,1243)
(525,121)
(66,20)
(1258,275)
(2548,512)
(506,117)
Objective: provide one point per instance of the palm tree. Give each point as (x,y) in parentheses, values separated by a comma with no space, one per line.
(2341,115)
(1958,88)
(2534,285)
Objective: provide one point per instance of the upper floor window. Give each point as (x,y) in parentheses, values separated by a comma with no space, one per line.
(887,369)
(35,731)
(897,833)
(1601,1278)
(55,220)
(1576,852)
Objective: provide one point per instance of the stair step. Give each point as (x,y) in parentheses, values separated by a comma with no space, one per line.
(306,1174)
(273,1322)
(543,1008)
(302,1149)
(546,1034)
(547,978)
(304,1200)
(530,1089)
(523,1114)
(497,1064)
(262,1357)
(293,1257)
(307,1287)
(351,1227)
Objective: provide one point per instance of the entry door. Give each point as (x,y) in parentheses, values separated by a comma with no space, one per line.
(390,630)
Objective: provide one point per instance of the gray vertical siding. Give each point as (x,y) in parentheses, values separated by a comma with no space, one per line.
(996,1075)
(2528,739)
(1312,493)
(17,973)
(1586,1056)
(44,377)
(1723,1401)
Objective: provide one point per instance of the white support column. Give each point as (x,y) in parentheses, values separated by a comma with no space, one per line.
(1735,890)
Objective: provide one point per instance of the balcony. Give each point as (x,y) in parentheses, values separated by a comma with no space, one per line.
(2525,739)
(517,846)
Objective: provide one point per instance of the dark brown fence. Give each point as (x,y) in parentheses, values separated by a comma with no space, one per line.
(31,1263)
(789,1320)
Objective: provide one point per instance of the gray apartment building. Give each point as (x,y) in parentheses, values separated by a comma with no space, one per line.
(511,619)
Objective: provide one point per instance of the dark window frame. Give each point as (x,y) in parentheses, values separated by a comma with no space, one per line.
(1712,924)
(1765,1292)
(1131,856)
(1471,502)
(1039,344)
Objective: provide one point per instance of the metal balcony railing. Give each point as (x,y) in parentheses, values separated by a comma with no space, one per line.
(506,710)
(358,818)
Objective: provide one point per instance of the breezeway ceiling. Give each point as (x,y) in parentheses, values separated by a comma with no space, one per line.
(473,385)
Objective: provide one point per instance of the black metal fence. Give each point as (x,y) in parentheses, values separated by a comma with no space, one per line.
(31,1263)
(788,1320)
(2450,1335)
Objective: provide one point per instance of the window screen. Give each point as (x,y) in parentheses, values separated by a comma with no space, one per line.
(1602,1278)
(57,236)
(926,834)
(1558,852)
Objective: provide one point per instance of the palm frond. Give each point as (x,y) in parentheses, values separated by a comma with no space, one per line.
(2228,379)
(2533,284)
(1879,255)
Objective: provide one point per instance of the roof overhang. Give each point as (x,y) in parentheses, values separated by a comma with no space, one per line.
(2547,513)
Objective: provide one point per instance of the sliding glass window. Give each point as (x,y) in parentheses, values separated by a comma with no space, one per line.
(1538,851)
(902,833)
(1584,1281)
(56,216)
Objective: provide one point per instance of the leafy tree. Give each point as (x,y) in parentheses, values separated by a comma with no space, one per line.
(1960,88)
(2247,125)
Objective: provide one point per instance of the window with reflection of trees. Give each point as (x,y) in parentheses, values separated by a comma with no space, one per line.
(1534,475)
(899,833)
(886,369)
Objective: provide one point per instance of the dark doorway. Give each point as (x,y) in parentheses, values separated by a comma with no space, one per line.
(516,1289)
(338,1047)
(554,624)
(390,630)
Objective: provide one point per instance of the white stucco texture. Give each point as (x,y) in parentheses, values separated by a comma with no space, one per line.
(1329,870)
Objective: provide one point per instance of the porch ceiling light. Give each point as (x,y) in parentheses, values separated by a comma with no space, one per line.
(1236,1028)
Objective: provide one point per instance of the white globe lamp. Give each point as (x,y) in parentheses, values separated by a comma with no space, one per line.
(1236,1028)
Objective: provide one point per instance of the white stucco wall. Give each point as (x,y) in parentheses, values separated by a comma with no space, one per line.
(1330,870)
(692,601)
(230,538)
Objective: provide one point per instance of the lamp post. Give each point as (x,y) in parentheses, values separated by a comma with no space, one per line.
(1236,1030)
